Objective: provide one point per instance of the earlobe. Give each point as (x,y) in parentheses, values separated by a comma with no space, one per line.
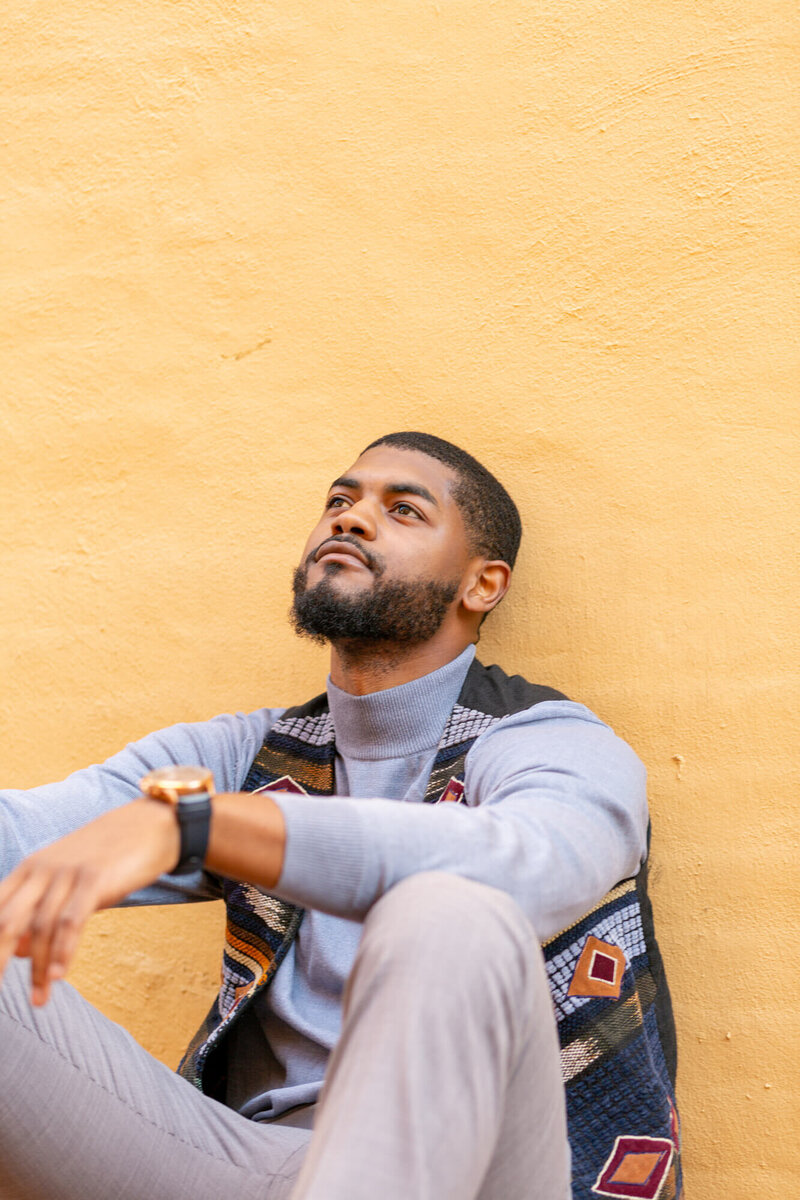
(490,583)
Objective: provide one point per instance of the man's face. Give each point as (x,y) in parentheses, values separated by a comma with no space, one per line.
(386,560)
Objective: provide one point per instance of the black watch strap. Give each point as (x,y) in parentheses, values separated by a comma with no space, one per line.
(194,822)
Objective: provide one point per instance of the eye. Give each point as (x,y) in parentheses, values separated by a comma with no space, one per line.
(404,509)
(336,502)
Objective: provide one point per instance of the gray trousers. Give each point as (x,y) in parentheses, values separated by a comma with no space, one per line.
(444,1085)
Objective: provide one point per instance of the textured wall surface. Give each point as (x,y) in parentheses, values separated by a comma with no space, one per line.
(241,240)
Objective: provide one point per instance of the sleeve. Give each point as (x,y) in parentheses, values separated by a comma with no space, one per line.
(226,744)
(556,815)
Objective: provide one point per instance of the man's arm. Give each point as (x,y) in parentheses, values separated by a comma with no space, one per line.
(560,818)
(34,818)
(557,815)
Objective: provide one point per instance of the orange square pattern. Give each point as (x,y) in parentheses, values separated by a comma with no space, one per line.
(636,1168)
(587,980)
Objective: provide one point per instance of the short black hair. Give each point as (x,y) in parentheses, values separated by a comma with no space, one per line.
(490,515)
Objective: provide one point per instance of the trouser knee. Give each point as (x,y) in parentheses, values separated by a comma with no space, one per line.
(454,924)
(15,989)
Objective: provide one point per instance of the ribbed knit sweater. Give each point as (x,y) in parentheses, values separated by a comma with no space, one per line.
(556,816)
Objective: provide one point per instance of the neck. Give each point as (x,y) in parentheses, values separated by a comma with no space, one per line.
(362,667)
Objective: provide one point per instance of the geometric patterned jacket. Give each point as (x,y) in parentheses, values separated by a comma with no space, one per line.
(611,1001)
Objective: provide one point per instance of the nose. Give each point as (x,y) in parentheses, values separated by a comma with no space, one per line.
(357,519)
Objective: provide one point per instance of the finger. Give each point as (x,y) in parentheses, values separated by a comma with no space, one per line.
(42,929)
(12,881)
(84,899)
(16,913)
(23,946)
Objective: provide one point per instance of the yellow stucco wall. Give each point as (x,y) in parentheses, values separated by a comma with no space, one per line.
(241,240)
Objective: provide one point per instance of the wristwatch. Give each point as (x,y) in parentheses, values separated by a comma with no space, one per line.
(189,791)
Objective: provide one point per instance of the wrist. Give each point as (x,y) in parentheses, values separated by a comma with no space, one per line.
(188,792)
(248,838)
(162,818)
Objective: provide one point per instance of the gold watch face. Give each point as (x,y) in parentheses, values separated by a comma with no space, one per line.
(168,783)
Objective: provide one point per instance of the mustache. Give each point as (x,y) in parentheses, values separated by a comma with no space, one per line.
(373,561)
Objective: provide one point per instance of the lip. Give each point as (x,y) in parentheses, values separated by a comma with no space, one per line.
(337,550)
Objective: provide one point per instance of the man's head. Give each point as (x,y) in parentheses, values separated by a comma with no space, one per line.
(490,516)
(416,542)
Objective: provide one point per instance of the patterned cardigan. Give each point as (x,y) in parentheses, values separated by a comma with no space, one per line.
(611,1001)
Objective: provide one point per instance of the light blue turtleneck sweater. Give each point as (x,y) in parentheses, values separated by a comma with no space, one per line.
(555,815)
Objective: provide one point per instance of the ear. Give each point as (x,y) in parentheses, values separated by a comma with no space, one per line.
(489,583)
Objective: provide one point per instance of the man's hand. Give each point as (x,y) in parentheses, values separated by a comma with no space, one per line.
(46,902)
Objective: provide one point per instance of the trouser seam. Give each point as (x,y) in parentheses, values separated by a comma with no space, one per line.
(131,1108)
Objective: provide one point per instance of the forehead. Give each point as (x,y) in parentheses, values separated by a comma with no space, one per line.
(385,467)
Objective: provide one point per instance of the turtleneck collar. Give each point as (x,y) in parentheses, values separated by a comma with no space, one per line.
(399,721)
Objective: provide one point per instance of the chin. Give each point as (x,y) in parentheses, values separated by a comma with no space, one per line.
(339,573)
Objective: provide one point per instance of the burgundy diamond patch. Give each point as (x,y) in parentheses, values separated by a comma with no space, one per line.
(284,784)
(453,793)
(603,966)
(637,1167)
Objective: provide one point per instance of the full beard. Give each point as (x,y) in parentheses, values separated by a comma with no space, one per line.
(391,612)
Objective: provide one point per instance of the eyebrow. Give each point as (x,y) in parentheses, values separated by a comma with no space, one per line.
(410,489)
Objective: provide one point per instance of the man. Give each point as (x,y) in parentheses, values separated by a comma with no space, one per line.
(391,857)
